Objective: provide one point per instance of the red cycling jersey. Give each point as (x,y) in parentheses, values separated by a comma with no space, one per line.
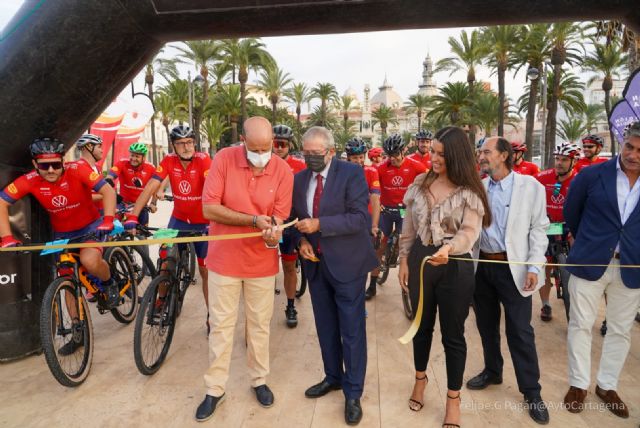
(424,160)
(186,185)
(526,168)
(68,200)
(98,201)
(373,182)
(132,180)
(584,162)
(295,164)
(555,198)
(394,181)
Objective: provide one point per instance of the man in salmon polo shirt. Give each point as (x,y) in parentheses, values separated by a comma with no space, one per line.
(247,190)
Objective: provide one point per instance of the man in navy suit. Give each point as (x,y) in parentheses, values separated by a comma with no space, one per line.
(603,214)
(330,198)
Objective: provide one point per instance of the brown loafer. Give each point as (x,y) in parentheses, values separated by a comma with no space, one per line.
(613,402)
(574,400)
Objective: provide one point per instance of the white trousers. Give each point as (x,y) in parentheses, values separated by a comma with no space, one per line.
(622,305)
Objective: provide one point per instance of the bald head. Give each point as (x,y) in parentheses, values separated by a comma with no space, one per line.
(257,134)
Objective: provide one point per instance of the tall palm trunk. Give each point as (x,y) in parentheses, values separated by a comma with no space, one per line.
(531,120)
(419,119)
(471,79)
(234,129)
(501,97)
(298,112)
(243,76)
(607,85)
(165,123)
(274,110)
(550,134)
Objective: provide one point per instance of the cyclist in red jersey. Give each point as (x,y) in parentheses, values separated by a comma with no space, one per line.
(64,191)
(187,170)
(282,137)
(356,148)
(375,156)
(520,165)
(90,149)
(133,175)
(556,182)
(591,147)
(423,141)
(396,175)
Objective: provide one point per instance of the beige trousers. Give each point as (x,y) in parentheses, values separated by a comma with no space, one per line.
(224,298)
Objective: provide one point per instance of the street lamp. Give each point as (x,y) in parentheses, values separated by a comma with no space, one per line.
(199,81)
(533,74)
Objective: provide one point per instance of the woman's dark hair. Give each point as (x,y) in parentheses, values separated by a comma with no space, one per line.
(460,161)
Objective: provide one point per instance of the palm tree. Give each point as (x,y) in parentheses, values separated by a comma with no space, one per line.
(298,93)
(166,68)
(201,53)
(213,127)
(452,102)
(178,91)
(605,61)
(485,112)
(165,109)
(219,72)
(384,116)
(417,104)
(532,51)
(593,114)
(322,117)
(272,82)
(227,102)
(617,31)
(469,52)
(230,55)
(500,41)
(251,55)
(564,37)
(570,96)
(325,92)
(343,104)
(572,129)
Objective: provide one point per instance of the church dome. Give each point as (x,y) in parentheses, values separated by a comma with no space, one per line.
(350,92)
(387,96)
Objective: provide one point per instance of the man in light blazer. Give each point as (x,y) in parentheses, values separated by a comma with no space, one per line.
(517,233)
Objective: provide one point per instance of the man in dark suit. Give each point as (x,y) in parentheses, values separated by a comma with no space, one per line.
(330,198)
(603,215)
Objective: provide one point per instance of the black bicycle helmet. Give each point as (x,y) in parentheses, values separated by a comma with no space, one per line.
(356,146)
(181,131)
(46,147)
(593,139)
(393,144)
(282,132)
(423,135)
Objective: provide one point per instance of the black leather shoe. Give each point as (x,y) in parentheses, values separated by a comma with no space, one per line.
(321,389)
(370,293)
(352,412)
(207,407)
(264,395)
(483,380)
(537,410)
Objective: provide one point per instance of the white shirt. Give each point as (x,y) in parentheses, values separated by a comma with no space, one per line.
(312,186)
(627,197)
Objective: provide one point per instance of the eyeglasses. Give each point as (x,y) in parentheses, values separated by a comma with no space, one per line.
(556,188)
(44,166)
(281,144)
(588,146)
(184,143)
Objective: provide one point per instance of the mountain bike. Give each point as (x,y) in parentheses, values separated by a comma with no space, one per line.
(558,251)
(162,304)
(66,331)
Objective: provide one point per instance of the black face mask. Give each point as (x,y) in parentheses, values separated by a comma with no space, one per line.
(315,163)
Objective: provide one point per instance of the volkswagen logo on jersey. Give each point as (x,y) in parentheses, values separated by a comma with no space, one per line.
(59,201)
(397,181)
(557,199)
(184,187)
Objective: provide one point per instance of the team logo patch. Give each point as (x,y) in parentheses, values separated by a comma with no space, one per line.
(12,188)
(159,169)
(59,201)
(184,187)
(206,173)
(94,176)
(376,183)
(114,168)
(397,181)
(557,199)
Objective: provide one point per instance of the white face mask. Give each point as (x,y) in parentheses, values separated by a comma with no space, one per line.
(258,160)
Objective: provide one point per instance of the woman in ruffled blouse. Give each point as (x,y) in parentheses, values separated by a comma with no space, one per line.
(446,210)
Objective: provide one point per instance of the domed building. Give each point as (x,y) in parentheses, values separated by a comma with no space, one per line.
(350,92)
(387,96)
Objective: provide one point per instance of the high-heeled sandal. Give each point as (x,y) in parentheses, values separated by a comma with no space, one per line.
(416,405)
(449,425)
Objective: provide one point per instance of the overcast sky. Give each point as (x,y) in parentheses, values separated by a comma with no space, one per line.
(358,59)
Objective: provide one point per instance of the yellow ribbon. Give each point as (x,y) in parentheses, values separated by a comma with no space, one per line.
(180,240)
(415,324)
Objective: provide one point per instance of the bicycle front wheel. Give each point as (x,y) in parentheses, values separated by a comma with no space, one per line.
(406,305)
(66,332)
(122,273)
(155,325)
(302,279)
